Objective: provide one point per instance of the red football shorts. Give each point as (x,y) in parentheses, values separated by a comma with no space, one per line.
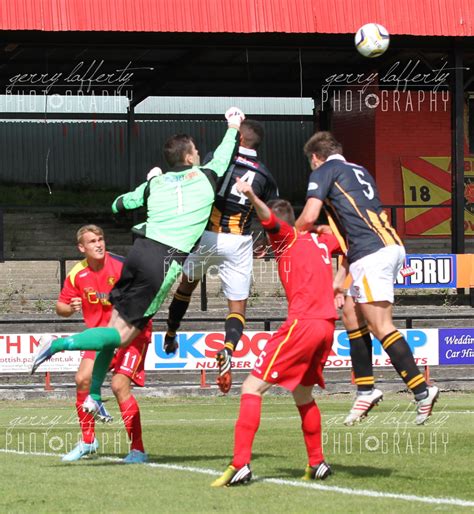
(296,353)
(88,354)
(129,361)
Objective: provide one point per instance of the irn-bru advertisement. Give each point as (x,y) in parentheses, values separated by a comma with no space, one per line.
(438,271)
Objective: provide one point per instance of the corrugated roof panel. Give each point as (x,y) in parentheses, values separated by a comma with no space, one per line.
(426,17)
(152,105)
(95,153)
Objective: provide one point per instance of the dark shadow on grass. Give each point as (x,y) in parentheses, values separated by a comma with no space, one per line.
(355,471)
(286,473)
(362,471)
(100,460)
(181,459)
(105,463)
(256,456)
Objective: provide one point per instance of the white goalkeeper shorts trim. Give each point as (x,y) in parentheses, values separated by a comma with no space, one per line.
(228,256)
(373,275)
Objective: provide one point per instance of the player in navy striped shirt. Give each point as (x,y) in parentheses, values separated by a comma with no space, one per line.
(375,255)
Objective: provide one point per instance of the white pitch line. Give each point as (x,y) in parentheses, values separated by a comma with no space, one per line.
(291,483)
(372,494)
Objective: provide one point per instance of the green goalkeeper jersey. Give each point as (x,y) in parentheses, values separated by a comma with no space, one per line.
(179,201)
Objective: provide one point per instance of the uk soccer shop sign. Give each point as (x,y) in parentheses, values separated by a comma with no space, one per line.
(197,350)
(427,180)
(422,342)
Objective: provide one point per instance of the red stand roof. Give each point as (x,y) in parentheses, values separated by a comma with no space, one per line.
(411,17)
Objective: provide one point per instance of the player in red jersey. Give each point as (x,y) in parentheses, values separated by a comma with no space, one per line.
(87,288)
(295,355)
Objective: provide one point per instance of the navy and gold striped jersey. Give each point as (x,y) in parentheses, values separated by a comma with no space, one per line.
(353,207)
(232,211)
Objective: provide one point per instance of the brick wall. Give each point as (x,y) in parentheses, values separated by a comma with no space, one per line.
(377,128)
(353,124)
(410,127)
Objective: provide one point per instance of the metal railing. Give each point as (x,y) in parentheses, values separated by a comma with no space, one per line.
(393,210)
(265,320)
(203,285)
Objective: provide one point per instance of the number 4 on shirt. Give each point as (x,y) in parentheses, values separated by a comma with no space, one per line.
(247,177)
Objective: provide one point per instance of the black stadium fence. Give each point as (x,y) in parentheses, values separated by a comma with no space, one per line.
(265,320)
(203,289)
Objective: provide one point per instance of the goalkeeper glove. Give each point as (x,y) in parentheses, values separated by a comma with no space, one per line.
(154,172)
(170,344)
(234,117)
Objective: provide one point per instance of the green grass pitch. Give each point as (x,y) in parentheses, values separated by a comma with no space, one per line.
(385,464)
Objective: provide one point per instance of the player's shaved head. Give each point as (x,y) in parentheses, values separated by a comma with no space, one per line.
(251,132)
(323,144)
(283,210)
(88,228)
(177,147)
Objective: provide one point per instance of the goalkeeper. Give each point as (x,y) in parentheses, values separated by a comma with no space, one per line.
(178,205)
(227,245)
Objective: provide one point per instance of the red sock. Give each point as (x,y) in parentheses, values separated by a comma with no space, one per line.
(311,426)
(86,420)
(131,419)
(246,428)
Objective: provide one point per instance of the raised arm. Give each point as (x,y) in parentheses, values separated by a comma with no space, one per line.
(261,208)
(129,201)
(225,151)
(280,234)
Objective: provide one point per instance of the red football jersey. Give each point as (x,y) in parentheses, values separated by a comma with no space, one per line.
(94,288)
(305,269)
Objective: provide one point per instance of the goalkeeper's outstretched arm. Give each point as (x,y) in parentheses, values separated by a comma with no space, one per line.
(261,208)
(129,201)
(224,153)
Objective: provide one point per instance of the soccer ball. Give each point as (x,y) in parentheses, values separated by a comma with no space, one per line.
(371,40)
